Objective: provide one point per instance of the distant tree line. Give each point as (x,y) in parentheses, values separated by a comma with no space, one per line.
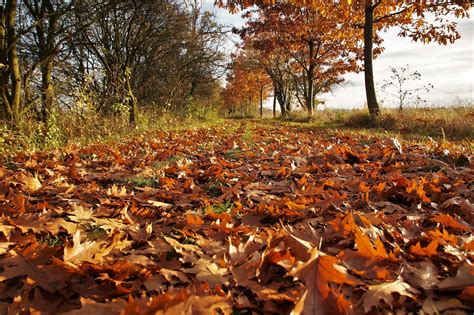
(124,54)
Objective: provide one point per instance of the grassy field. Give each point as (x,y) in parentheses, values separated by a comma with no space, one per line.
(450,124)
(446,124)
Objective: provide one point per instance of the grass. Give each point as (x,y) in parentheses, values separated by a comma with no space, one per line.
(52,240)
(94,231)
(222,207)
(446,124)
(214,190)
(137,181)
(233,154)
(93,128)
(247,136)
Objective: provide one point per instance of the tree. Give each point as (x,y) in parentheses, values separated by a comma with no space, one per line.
(322,46)
(10,76)
(401,86)
(49,28)
(278,67)
(153,52)
(247,84)
(423,21)
(200,60)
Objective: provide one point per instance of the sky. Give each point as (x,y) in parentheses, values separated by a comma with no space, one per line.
(450,69)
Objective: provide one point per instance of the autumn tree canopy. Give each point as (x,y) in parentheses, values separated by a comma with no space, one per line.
(247,84)
(321,46)
(424,21)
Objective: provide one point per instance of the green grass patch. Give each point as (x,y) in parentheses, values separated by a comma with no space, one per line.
(222,207)
(214,190)
(233,154)
(138,181)
(52,240)
(94,231)
(247,136)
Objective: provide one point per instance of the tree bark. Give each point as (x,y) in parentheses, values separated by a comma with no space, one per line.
(132,103)
(6,110)
(47,92)
(261,102)
(10,77)
(309,97)
(281,101)
(274,102)
(310,80)
(372,103)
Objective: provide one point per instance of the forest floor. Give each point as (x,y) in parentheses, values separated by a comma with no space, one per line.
(242,218)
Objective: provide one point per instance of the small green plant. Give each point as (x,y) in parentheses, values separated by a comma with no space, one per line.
(175,159)
(88,157)
(247,136)
(231,130)
(138,181)
(52,240)
(181,238)
(233,154)
(205,147)
(94,231)
(214,190)
(223,207)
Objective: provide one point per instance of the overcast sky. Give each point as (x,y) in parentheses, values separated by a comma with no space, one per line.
(449,68)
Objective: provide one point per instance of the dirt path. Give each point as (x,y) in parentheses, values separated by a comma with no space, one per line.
(247,218)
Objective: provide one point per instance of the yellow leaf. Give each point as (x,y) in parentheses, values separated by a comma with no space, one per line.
(31,183)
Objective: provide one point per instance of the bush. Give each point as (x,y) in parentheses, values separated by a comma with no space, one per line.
(83,126)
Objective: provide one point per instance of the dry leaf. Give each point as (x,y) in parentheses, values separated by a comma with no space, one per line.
(384,292)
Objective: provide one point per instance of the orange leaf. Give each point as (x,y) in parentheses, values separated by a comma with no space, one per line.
(429,251)
(366,249)
(192,219)
(294,206)
(345,225)
(469,246)
(447,220)
(317,273)
(449,238)
(468,293)
(283,258)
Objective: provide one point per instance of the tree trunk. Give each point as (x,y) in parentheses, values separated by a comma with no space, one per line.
(6,110)
(10,78)
(309,97)
(274,102)
(132,102)
(310,75)
(261,102)
(281,101)
(132,120)
(372,103)
(47,92)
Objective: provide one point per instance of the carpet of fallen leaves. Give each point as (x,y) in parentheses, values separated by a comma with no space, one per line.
(243,219)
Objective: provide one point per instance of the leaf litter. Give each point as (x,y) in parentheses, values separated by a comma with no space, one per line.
(297,222)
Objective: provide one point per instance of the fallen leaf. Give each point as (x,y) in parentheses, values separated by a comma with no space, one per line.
(31,183)
(384,292)
(463,278)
